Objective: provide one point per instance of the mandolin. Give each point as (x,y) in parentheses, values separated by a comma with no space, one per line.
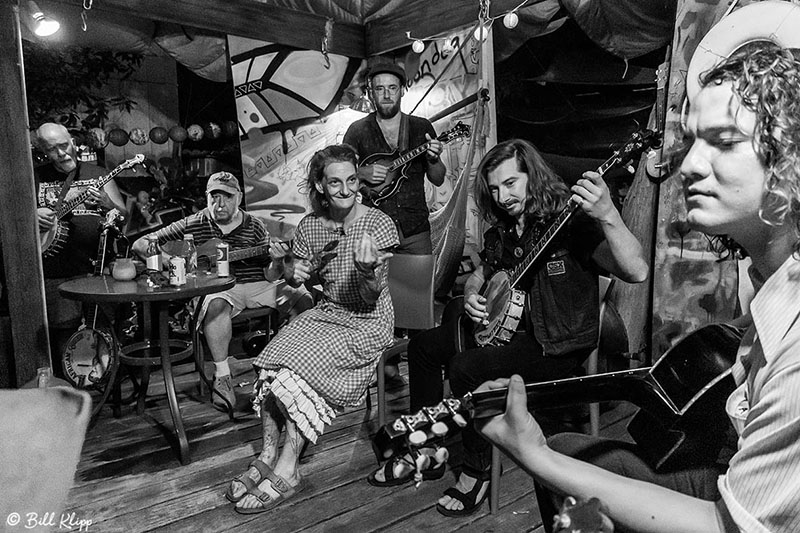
(681,420)
(207,253)
(53,240)
(396,165)
(504,302)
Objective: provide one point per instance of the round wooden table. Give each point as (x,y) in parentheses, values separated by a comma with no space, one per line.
(105,289)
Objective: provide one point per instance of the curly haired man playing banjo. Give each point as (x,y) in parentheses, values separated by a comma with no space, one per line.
(521,197)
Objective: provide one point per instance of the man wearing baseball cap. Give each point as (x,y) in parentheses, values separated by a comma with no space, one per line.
(258,281)
(389,131)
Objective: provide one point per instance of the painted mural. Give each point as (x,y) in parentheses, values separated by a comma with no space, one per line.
(291,103)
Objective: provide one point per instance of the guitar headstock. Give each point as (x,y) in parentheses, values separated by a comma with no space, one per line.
(460,130)
(415,430)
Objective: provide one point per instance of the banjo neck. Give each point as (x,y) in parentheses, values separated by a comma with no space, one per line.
(516,273)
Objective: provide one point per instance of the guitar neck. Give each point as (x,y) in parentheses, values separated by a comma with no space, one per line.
(247,253)
(634,386)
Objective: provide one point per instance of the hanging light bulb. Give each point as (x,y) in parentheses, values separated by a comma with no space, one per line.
(510,20)
(43,26)
(418,46)
(481,32)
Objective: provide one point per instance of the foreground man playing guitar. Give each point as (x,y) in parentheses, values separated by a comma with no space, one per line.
(520,195)
(257,280)
(741,182)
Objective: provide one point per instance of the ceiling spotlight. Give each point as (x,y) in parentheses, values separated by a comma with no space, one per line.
(510,20)
(418,46)
(43,26)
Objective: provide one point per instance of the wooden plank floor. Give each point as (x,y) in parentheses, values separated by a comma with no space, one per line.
(130,480)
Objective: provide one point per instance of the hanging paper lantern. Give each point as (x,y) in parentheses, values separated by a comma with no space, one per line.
(118,137)
(195,132)
(98,138)
(138,136)
(159,135)
(213,131)
(230,128)
(178,134)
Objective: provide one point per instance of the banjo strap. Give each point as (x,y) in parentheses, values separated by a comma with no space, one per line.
(63,193)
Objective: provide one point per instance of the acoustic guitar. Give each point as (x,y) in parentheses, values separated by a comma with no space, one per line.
(681,420)
(396,165)
(504,302)
(54,240)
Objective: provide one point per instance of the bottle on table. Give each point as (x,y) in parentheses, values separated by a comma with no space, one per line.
(190,254)
(153,254)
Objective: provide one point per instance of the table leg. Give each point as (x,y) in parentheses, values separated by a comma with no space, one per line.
(169,382)
(147,332)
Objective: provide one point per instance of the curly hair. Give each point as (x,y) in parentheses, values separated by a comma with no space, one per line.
(766,78)
(336,153)
(547,193)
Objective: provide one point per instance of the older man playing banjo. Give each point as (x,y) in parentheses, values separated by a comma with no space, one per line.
(522,198)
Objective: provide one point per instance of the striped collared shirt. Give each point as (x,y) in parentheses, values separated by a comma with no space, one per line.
(762,486)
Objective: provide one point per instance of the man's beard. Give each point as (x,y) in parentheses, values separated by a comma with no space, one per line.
(391,113)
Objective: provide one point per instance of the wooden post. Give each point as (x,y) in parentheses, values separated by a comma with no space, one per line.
(18,233)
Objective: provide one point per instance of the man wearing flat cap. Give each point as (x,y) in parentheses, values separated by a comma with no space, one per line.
(389,131)
(258,280)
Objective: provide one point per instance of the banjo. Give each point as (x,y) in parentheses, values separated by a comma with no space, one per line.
(504,302)
(90,356)
(53,240)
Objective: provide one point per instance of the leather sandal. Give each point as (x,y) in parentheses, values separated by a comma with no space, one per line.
(470,499)
(433,472)
(267,501)
(248,482)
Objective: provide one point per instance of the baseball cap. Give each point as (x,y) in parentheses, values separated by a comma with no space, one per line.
(384,66)
(223,181)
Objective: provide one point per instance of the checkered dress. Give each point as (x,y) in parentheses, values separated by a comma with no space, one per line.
(334,347)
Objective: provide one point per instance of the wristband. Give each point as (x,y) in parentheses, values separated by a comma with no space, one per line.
(433,160)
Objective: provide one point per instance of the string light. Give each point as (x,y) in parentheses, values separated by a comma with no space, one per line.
(510,21)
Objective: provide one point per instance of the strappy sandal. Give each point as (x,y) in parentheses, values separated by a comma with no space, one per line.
(267,501)
(248,482)
(434,472)
(470,499)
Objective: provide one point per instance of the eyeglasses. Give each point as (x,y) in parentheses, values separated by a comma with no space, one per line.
(391,90)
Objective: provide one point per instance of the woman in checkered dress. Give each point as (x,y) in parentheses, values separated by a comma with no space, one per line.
(323,360)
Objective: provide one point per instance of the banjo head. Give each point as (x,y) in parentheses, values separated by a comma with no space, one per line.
(505,306)
(88,358)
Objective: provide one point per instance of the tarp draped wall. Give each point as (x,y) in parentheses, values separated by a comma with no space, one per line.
(290,104)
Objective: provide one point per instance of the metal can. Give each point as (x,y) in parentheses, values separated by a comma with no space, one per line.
(223,264)
(177,271)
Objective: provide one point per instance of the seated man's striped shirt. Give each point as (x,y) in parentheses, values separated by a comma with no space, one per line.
(251,232)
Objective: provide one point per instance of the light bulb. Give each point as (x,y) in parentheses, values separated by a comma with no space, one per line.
(45,26)
(418,46)
(481,33)
(511,20)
